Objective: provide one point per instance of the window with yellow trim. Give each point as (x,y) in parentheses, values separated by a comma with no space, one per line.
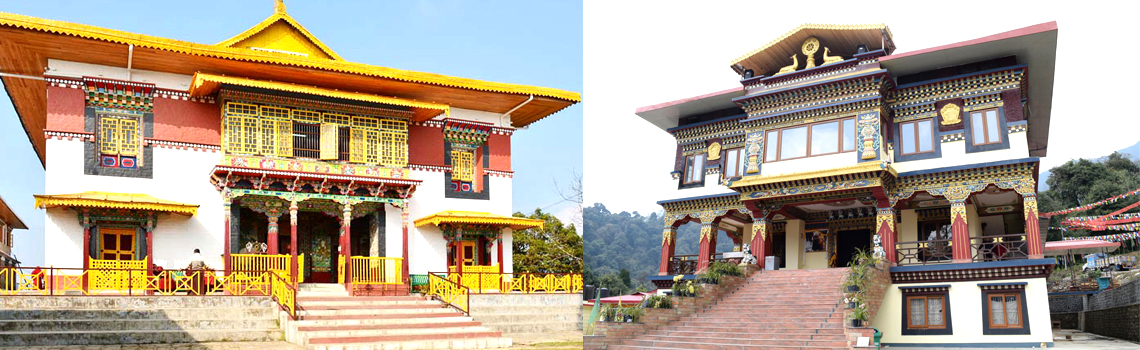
(284,132)
(462,165)
(118,137)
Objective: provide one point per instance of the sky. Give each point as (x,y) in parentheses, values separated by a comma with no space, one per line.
(518,41)
(640,53)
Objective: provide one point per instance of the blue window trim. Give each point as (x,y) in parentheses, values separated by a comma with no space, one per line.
(936,142)
(1003,131)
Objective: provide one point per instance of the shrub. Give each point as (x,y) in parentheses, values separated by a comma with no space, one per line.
(659,302)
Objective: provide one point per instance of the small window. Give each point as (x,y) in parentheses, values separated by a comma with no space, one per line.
(818,139)
(848,135)
(1004,310)
(986,127)
(926,312)
(734,160)
(773,146)
(916,137)
(825,138)
(694,168)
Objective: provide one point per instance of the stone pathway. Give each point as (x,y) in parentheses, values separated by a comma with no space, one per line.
(562,340)
(193,346)
(1082,340)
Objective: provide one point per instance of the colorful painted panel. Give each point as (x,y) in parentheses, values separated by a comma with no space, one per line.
(312,166)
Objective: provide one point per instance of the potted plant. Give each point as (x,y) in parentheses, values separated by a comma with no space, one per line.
(859,316)
(852,301)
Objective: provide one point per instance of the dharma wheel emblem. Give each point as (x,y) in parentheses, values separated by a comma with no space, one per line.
(810,46)
(951,114)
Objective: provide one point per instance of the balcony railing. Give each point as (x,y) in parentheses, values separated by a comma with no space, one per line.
(687,264)
(940,251)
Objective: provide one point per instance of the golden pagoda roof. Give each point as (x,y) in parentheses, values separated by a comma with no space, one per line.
(840,38)
(205,84)
(803,175)
(110,200)
(479,218)
(282,33)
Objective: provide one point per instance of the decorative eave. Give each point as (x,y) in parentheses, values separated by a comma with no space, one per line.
(205,84)
(221,172)
(862,175)
(681,206)
(10,217)
(280,15)
(109,200)
(828,92)
(973,271)
(840,37)
(456,217)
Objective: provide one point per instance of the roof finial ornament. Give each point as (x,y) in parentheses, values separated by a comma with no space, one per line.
(279,6)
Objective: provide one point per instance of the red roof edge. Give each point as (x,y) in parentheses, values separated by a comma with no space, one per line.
(1033,29)
(684,100)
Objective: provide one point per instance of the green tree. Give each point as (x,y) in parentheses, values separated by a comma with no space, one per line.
(555,248)
(1083,181)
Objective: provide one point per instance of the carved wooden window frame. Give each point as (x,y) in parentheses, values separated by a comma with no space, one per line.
(917,141)
(986,127)
(693,170)
(770,142)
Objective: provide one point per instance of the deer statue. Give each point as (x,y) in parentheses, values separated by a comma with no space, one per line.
(830,59)
(791,68)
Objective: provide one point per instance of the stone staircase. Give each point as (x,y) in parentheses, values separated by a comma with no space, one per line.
(528,315)
(110,320)
(328,318)
(787,309)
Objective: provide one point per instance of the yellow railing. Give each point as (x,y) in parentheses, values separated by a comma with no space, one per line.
(284,293)
(487,279)
(376,270)
(340,269)
(264,262)
(479,279)
(449,292)
(113,274)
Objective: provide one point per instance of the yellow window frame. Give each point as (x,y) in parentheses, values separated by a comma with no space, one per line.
(462,165)
(109,135)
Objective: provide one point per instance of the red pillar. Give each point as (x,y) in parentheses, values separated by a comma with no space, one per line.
(226,253)
(760,240)
(668,247)
(346,244)
(960,231)
(86,246)
(706,250)
(885,227)
(499,244)
(271,234)
(293,240)
(1032,229)
(404,224)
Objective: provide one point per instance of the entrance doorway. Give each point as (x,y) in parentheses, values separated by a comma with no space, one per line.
(846,244)
(118,243)
(318,238)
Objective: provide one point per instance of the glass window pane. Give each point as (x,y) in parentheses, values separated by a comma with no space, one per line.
(925,141)
(698,167)
(793,143)
(997,314)
(934,311)
(742,159)
(979,127)
(907,138)
(825,138)
(1011,309)
(771,144)
(917,318)
(688,169)
(992,125)
(730,163)
(849,135)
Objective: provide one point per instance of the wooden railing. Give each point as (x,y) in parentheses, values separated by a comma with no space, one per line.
(284,292)
(999,248)
(449,292)
(376,270)
(495,282)
(938,251)
(265,262)
(340,269)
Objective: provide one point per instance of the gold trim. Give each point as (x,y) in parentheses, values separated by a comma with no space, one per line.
(206,84)
(472,217)
(280,15)
(110,200)
(858,168)
(189,48)
(880,26)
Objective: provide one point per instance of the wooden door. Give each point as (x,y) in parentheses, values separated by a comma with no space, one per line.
(117,243)
(467,253)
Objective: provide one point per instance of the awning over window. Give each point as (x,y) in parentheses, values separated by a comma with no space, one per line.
(478,218)
(209,84)
(108,200)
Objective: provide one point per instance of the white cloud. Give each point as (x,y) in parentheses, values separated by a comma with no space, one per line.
(640,53)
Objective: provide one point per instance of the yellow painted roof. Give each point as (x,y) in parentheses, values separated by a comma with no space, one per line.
(243,54)
(207,84)
(481,218)
(110,200)
(854,169)
(287,36)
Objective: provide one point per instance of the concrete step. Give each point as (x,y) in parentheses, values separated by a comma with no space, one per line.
(133,302)
(534,327)
(746,341)
(115,337)
(367,316)
(307,337)
(398,309)
(663,345)
(526,309)
(512,318)
(450,343)
(411,320)
(151,314)
(838,336)
(126,324)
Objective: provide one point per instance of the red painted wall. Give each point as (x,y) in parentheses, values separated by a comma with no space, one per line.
(500,152)
(425,145)
(187,121)
(65,109)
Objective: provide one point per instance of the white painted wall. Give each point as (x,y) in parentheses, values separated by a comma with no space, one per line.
(426,247)
(478,116)
(77,70)
(830,161)
(179,175)
(967,317)
(954,153)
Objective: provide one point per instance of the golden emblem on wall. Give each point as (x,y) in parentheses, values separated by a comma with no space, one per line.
(951,114)
(714,151)
(810,46)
